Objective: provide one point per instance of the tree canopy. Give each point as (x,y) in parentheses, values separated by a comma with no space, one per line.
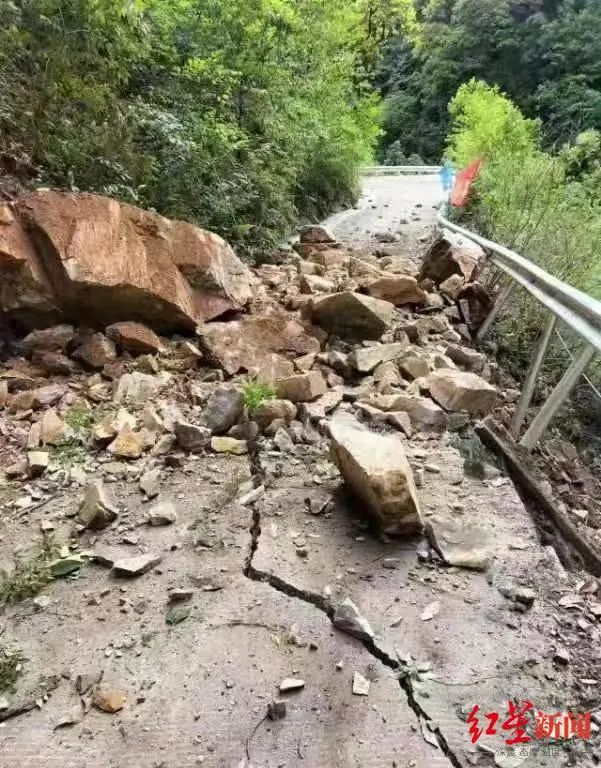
(243,115)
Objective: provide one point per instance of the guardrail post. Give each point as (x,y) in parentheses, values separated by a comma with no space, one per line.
(494,312)
(528,390)
(557,398)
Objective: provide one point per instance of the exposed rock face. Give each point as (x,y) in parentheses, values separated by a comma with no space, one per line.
(462,391)
(376,468)
(397,289)
(254,344)
(92,258)
(353,315)
(449,255)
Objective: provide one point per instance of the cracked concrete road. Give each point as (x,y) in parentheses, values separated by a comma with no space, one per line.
(264,582)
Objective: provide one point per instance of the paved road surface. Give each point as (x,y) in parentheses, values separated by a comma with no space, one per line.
(404,204)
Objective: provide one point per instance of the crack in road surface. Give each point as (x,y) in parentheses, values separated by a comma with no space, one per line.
(401,670)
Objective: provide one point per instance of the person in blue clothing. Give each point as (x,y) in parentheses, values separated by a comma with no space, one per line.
(447,176)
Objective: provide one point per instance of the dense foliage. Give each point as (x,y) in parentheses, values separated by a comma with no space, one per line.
(544,54)
(243,115)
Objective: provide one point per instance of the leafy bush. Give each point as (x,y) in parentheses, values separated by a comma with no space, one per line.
(255,393)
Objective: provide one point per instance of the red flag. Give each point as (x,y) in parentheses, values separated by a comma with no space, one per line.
(465,178)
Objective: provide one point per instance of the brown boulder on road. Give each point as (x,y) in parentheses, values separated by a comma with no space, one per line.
(377,470)
(87,257)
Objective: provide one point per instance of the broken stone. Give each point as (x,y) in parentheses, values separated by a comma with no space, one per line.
(561,656)
(86,680)
(96,351)
(451,254)
(134,337)
(400,420)
(37,463)
(430,611)
(365,359)
(127,445)
(53,430)
(136,565)
(291,684)
(223,409)
(301,387)
(347,618)
(414,366)
(459,544)
(311,284)
(191,437)
(107,699)
(360,685)
(176,614)
(283,441)
(254,495)
(316,233)
(149,483)
(452,285)
(271,409)
(465,357)
(352,315)
(461,391)
(111,424)
(54,363)
(229,445)
(376,468)
(54,339)
(254,343)
(97,510)
(139,388)
(162,514)
(398,290)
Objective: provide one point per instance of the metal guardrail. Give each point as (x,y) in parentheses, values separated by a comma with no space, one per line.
(391,170)
(576,309)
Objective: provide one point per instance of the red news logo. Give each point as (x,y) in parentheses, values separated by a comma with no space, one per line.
(520,716)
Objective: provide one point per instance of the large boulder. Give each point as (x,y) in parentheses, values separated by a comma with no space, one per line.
(352,315)
(461,391)
(397,289)
(449,255)
(365,359)
(87,257)
(375,467)
(256,344)
(315,233)
(25,291)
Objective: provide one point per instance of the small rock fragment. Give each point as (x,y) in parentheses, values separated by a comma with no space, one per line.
(224,444)
(97,509)
(162,514)
(191,437)
(108,700)
(430,611)
(135,566)
(348,619)
(149,482)
(360,685)
(38,462)
(291,684)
